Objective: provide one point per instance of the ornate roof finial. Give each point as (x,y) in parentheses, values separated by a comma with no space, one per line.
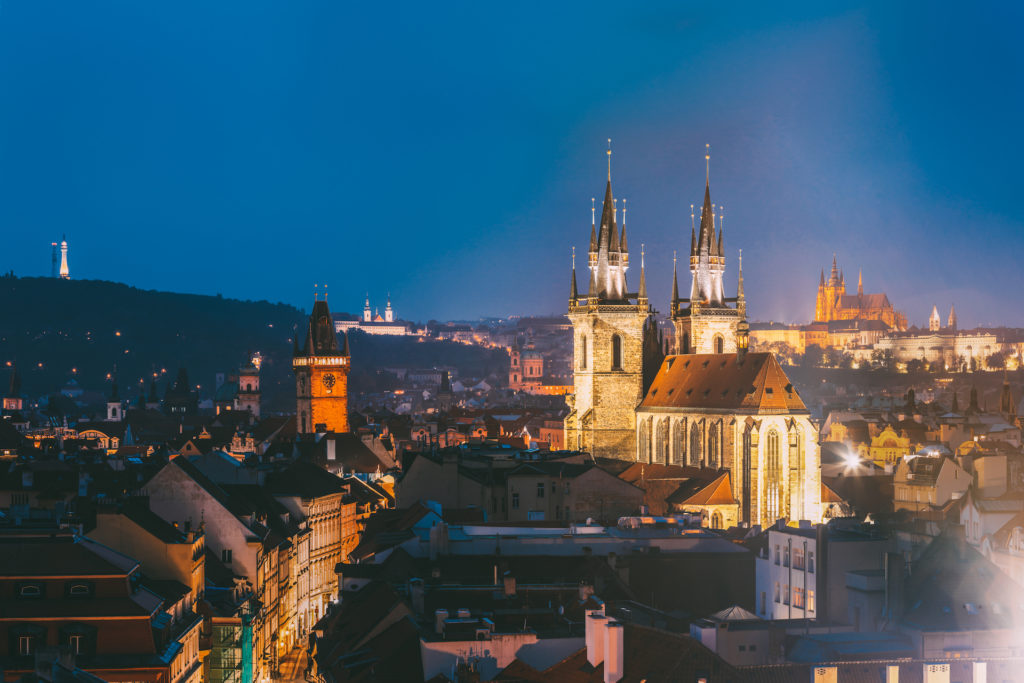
(593,212)
(615,210)
(707,162)
(325,292)
(692,223)
(574,258)
(609,160)
(315,293)
(573,292)
(675,282)
(739,293)
(623,213)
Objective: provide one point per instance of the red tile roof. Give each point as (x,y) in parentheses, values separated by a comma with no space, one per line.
(723,381)
(718,492)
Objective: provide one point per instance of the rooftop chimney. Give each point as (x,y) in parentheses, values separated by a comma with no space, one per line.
(595,627)
(614,640)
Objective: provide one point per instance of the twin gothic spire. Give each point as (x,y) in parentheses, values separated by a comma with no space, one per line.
(608,255)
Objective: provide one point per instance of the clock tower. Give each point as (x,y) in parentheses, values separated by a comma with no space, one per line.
(321,376)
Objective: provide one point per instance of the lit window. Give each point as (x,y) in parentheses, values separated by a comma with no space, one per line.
(810,601)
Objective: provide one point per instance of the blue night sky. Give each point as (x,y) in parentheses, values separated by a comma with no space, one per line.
(448,152)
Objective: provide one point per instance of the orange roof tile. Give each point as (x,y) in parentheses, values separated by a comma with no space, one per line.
(830,496)
(718,492)
(723,381)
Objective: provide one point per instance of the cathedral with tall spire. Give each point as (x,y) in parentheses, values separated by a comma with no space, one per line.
(707,321)
(713,406)
(833,303)
(616,343)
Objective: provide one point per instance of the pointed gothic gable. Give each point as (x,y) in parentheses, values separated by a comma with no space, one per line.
(722,381)
(718,492)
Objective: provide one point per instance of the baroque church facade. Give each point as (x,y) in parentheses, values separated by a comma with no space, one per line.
(712,406)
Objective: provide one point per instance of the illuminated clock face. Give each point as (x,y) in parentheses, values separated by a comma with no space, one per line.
(328,381)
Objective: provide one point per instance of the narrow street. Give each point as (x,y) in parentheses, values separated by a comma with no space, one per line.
(293,666)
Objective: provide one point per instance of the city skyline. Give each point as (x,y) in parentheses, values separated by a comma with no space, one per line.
(830,130)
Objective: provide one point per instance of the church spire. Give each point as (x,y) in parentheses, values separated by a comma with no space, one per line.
(593,227)
(821,282)
(860,283)
(675,281)
(952,317)
(642,296)
(741,300)
(833,279)
(573,293)
(622,240)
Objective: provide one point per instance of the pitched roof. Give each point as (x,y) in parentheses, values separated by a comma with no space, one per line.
(723,381)
(718,492)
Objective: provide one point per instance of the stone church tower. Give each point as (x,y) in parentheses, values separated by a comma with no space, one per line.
(321,376)
(706,322)
(616,345)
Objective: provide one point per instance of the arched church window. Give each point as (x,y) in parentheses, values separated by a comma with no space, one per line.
(694,445)
(716,520)
(616,352)
(714,445)
(719,344)
(583,352)
(686,343)
(644,454)
(679,443)
(772,479)
(661,445)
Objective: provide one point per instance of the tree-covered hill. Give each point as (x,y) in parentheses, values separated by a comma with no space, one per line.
(58,330)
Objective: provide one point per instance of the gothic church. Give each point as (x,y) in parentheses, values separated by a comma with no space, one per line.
(712,405)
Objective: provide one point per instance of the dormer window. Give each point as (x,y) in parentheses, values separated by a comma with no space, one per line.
(31,591)
(79,590)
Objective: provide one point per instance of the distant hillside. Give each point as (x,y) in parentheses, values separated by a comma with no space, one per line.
(91,325)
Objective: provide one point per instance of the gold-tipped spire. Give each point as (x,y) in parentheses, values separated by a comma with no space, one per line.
(707,162)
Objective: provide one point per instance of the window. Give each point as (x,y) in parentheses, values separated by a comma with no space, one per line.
(79,590)
(515,501)
(764,603)
(31,590)
(772,480)
(583,352)
(540,490)
(743,648)
(558,512)
(798,597)
(25,645)
(679,443)
(777,592)
(810,562)
(719,344)
(694,445)
(713,445)
(810,601)
(785,594)
(225,556)
(75,642)
(686,343)
(778,554)
(566,488)
(785,555)
(616,352)
(716,520)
